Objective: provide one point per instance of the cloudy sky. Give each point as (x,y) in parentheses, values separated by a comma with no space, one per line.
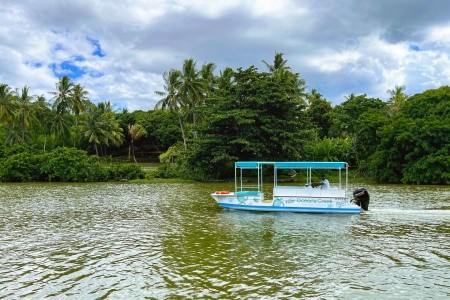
(119,50)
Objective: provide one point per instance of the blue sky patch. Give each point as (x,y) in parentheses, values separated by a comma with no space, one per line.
(414,48)
(98,51)
(69,68)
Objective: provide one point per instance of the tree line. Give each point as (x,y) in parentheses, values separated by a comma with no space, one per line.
(205,122)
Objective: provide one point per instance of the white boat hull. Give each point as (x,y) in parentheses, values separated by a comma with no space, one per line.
(287,203)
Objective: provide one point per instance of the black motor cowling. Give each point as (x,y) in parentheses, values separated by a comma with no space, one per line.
(361,198)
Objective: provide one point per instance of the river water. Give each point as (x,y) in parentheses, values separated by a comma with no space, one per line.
(172,241)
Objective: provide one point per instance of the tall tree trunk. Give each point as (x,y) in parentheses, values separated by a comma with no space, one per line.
(182,131)
(129,153)
(134,156)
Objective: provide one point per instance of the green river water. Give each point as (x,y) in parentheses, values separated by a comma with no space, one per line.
(172,241)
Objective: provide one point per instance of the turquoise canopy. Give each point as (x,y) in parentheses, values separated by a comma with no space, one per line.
(247,164)
(310,164)
(292,164)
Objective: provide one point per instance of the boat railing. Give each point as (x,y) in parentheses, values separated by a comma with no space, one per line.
(249,188)
(256,168)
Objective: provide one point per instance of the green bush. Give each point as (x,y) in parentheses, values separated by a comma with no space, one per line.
(173,164)
(22,167)
(71,165)
(62,164)
(432,169)
(124,172)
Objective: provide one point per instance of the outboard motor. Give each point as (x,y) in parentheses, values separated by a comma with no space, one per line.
(361,198)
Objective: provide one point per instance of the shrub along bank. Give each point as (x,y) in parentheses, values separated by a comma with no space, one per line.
(62,165)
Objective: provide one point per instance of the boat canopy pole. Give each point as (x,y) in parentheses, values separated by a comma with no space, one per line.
(260,176)
(346,179)
(340,185)
(275,172)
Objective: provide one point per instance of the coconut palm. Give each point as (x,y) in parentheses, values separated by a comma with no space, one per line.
(25,111)
(314,95)
(94,128)
(136,131)
(43,114)
(77,101)
(192,88)
(397,99)
(60,125)
(185,90)
(6,103)
(279,64)
(13,135)
(172,100)
(209,80)
(115,135)
(101,127)
(62,96)
(226,78)
(350,97)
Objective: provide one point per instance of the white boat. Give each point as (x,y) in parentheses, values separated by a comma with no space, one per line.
(307,197)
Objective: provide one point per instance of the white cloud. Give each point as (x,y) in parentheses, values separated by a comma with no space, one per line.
(277,9)
(333,61)
(338,47)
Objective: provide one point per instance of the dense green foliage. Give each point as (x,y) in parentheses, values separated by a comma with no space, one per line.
(258,116)
(203,123)
(62,165)
(415,146)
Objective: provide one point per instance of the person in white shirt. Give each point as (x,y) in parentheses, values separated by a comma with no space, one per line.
(324,184)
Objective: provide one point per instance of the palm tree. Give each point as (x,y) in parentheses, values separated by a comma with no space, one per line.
(397,99)
(209,80)
(43,114)
(313,96)
(186,90)
(226,77)
(101,127)
(94,127)
(60,125)
(26,112)
(62,97)
(350,97)
(13,135)
(192,88)
(172,101)
(115,132)
(77,100)
(279,64)
(77,103)
(136,131)
(6,103)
